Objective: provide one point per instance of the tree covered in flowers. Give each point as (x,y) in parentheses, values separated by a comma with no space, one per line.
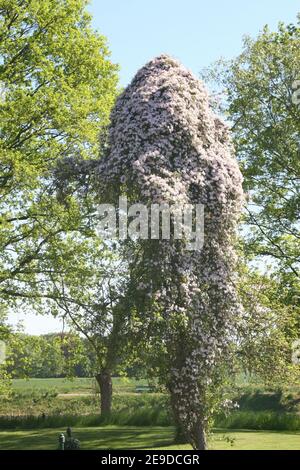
(167,147)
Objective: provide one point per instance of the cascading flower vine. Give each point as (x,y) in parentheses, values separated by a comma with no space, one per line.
(167,146)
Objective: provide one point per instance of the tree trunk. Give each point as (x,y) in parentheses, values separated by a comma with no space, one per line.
(105,386)
(180,434)
(199,437)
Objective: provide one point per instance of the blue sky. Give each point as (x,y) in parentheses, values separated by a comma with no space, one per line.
(197,32)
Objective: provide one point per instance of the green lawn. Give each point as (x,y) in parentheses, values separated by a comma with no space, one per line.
(116,437)
(59,385)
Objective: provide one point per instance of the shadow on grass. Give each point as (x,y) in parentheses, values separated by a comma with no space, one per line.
(118,437)
(91,438)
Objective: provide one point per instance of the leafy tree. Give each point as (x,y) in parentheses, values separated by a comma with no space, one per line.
(258,92)
(87,289)
(267,329)
(58,86)
(51,355)
(167,147)
(261,103)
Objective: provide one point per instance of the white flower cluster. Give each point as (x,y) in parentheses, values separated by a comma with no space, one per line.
(167,146)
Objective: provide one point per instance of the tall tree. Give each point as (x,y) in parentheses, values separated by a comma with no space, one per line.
(262,105)
(261,101)
(87,288)
(51,355)
(57,88)
(167,147)
(267,329)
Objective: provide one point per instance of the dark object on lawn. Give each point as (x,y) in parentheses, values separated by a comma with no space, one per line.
(71,443)
(61,440)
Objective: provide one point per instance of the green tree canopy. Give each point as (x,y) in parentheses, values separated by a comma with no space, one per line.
(265,116)
(57,88)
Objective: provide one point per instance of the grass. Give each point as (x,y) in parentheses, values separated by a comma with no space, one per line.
(55,384)
(247,440)
(140,420)
(50,403)
(261,420)
(35,397)
(116,437)
(141,416)
(153,415)
(76,385)
(39,410)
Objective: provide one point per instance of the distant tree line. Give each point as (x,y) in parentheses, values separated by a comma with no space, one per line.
(53,355)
